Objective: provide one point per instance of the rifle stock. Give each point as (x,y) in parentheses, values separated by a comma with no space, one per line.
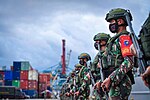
(141,62)
(101,68)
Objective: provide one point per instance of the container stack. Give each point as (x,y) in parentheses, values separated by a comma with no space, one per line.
(23,76)
(44,81)
(2,77)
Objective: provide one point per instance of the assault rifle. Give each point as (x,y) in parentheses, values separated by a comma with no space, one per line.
(89,70)
(92,78)
(141,62)
(74,84)
(101,68)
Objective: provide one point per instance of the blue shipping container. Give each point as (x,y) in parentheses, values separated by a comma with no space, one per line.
(8,82)
(8,75)
(16,66)
(31,93)
(16,75)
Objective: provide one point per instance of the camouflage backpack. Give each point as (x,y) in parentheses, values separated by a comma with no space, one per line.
(145,38)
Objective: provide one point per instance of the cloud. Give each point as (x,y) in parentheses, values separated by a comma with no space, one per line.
(33,29)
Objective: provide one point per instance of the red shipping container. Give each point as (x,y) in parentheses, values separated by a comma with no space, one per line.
(24,84)
(1,82)
(32,84)
(48,84)
(11,68)
(42,87)
(43,78)
(1,75)
(48,77)
(24,75)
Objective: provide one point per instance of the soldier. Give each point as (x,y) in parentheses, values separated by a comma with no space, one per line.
(100,39)
(118,57)
(71,85)
(76,84)
(84,90)
(65,88)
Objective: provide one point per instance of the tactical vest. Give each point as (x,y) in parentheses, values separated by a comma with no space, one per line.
(112,61)
(145,39)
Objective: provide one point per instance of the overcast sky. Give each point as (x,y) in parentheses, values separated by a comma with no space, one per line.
(32,30)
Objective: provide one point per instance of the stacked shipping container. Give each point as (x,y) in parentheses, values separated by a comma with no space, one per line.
(23,76)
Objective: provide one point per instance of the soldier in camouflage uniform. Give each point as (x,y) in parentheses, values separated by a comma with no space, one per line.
(76,83)
(84,89)
(118,57)
(65,89)
(100,39)
(71,85)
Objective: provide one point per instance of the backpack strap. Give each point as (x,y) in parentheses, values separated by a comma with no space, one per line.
(111,41)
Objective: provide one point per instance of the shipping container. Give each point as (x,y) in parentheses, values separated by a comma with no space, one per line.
(49,88)
(1,82)
(16,75)
(8,82)
(8,75)
(31,93)
(43,78)
(16,65)
(33,75)
(48,77)
(12,68)
(24,75)
(32,85)
(16,83)
(24,84)
(10,92)
(42,86)
(1,75)
(25,65)
(7,92)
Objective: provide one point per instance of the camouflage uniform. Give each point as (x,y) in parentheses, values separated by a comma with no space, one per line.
(117,62)
(98,94)
(84,89)
(76,84)
(65,89)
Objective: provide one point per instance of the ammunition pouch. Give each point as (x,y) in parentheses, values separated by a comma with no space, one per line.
(112,61)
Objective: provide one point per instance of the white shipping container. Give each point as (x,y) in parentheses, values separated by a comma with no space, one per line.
(33,75)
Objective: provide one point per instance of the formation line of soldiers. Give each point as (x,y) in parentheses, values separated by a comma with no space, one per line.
(110,73)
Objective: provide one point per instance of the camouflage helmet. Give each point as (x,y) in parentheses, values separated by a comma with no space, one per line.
(101,36)
(77,65)
(84,55)
(117,13)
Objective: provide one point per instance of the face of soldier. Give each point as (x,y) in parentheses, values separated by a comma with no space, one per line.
(78,68)
(102,44)
(114,25)
(82,62)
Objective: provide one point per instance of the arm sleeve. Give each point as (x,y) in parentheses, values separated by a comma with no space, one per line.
(117,75)
(86,81)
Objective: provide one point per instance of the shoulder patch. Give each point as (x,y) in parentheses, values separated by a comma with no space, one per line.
(125,42)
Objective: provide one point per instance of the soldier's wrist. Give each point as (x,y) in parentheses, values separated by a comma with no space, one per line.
(111,78)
